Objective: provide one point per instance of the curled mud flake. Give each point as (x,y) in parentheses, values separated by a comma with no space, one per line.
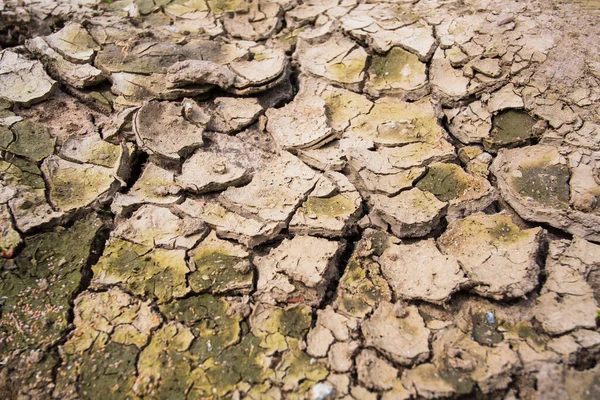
(412,213)
(91,149)
(232,114)
(23,81)
(74,43)
(155,273)
(330,215)
(37,292)
(301,267)
(275,191)
(248,231)
(220,267)
(326,158)
(419,271)
(157,226)
(199,72)
(301,124)
(74,186)
(403,339)
(465,193)
(77,75)
(499,258)
(471,123)
(161,129)
(156,185)
(209,172)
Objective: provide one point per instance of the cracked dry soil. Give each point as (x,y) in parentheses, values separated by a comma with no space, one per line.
(285,199)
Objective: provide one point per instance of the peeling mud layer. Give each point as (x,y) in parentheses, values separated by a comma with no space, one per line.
(285,199)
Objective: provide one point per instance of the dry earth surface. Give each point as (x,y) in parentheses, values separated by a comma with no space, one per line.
(285,199)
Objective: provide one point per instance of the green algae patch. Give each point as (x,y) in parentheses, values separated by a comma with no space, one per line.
(510,129)
(20,172)
(396,72)
(28,375)
(31,140)
(523,330)
(219,7)
(154,273)
(446,181)
(546,183)
(211,321)
(350,69)
(361,288)
(102,372)
(280,328)
(334,206)
(38,292)
(506,232)
(220,267)
(296,368)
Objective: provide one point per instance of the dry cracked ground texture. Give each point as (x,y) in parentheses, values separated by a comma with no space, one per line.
(283,199)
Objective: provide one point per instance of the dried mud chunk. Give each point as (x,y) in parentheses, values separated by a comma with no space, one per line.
(155,185)
(199,72)
(393,122)
(301,268)
(339,60)
(385,25)
(300,124)
(248,231)
(260,22)
(567,300)
(498,257)
(232,114)
(534,181)
(420,272)
(432,382)
(465,193)
(275,191)
(110,316)
(374,372)
(447,83)
(153,273)
(332,214)
(397,332)
(209,172)
(156,226)
(372,172)
(74,186)
(161,129)
(490,367)
(23,81)
(140,58)
(220,267)
(411,213)
(398,72)
(326,158)
(23,188)
(37,293)
(74,43)
(263,65)
(30,140)
(76,75)
(471,123)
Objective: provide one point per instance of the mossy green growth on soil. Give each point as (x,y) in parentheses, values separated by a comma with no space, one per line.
(38,292)
(509,129)
(547,184)
(446,181)
(216,272)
